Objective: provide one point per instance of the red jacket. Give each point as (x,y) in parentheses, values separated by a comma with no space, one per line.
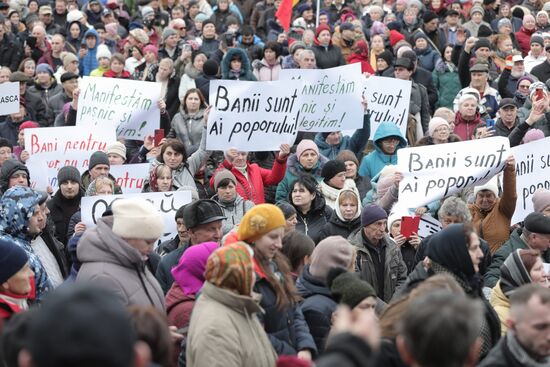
(179,306)
(365,64)
(111,74)
(253,188)
(523,36)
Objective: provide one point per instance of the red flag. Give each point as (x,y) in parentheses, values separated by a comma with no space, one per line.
(284,14)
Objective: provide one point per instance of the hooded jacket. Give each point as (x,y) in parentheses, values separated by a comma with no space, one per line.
(265,72)
(246,69)
(109,261)
(89,61)
(224,331)
(337,225)
(317,307)
(373,163)
(233,211)
(18,206)
(356,143)
(295,169)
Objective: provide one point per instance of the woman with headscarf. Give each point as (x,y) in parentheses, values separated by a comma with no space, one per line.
(520,267)
(361,54)
(456,251)
(188,281)
(223,330)
(262,228)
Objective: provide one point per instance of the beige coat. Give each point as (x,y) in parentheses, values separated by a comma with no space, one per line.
(225,332)
(501,304)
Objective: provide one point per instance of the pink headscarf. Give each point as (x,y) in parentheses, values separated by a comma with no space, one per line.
(189,273)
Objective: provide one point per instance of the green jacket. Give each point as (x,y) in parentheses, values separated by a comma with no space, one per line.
(514,243)
(447,84)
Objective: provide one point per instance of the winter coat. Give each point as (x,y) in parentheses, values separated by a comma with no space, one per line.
(356,143)
(514,243)
(224,332)
(61,211)
(179,306)
(13,226)
(542,71)
(87,180)
(523,37)
(9,130)
(233,211)
(447,83)
(337,225)
(246,70)
(331,193)
(185,173)
(251,186)
(501,304)
(295,169)
(494,226)
(109,261)
(428,58)
(315,219)
(420,104)
(473,28)
(58,101)
(286,328)
(395,270)
(168,261)
(328,57)
(317,306)
(203,84)
(503,355)
(89,61)
(265,72)
(10,52)
(44,95)
(187,80)
(346,350)
(187,128)
(376,160)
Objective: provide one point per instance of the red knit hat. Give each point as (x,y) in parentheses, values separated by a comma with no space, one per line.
(28,125)
(395,37)
(322,27)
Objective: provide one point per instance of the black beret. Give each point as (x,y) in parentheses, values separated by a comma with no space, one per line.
(68,76)
(537,223)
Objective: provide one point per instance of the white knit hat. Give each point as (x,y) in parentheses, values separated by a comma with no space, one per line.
(74,15)
(435,123)
(117,148)
(492,186)
(102,51)
(136,218)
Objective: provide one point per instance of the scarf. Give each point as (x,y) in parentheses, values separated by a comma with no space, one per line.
(521,355)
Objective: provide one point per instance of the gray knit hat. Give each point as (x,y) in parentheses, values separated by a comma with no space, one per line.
(222,175)
(68,173)
(333,251)
(98,157)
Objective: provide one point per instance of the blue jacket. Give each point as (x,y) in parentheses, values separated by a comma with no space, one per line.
(355,143)
(373,163)
(89,61)
(428,58)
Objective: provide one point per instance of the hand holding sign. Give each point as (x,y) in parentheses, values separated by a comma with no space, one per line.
(285,151)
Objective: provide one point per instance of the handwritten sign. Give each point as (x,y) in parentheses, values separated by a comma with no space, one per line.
(252,116)
(532,173)
(9,98)
(51,148)
(389,100)
(428,226)
(130,106)
(437,171)
(130,177)
(330,99)
(167,203)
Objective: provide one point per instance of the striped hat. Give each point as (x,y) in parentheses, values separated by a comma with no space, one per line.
(230,267)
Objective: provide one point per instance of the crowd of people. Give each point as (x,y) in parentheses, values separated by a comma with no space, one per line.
(295,257)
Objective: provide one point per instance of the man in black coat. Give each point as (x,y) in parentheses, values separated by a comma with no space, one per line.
(209,73)
(423,77)
(527,342)
(542,71)
(10,50)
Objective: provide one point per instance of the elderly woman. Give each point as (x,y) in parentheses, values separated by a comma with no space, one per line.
(346,215)
(521,267)
(251,178)
(223,330)
(491,214)
(439,132)
(467,117)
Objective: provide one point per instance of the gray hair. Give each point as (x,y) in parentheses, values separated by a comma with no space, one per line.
(456,207)
(304,51)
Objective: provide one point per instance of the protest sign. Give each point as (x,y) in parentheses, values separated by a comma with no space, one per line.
(532,173)
(130,106)
(434,172)
(51,148)
(130,177)
(388,100)
(428,226)
(167,203)
(252,116)
(329,99)
(9,98)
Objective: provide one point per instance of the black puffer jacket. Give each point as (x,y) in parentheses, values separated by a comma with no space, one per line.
(318,306)
(328,57)
(315,219)
(286,328)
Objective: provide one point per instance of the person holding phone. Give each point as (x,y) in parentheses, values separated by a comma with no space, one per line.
(407,245)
